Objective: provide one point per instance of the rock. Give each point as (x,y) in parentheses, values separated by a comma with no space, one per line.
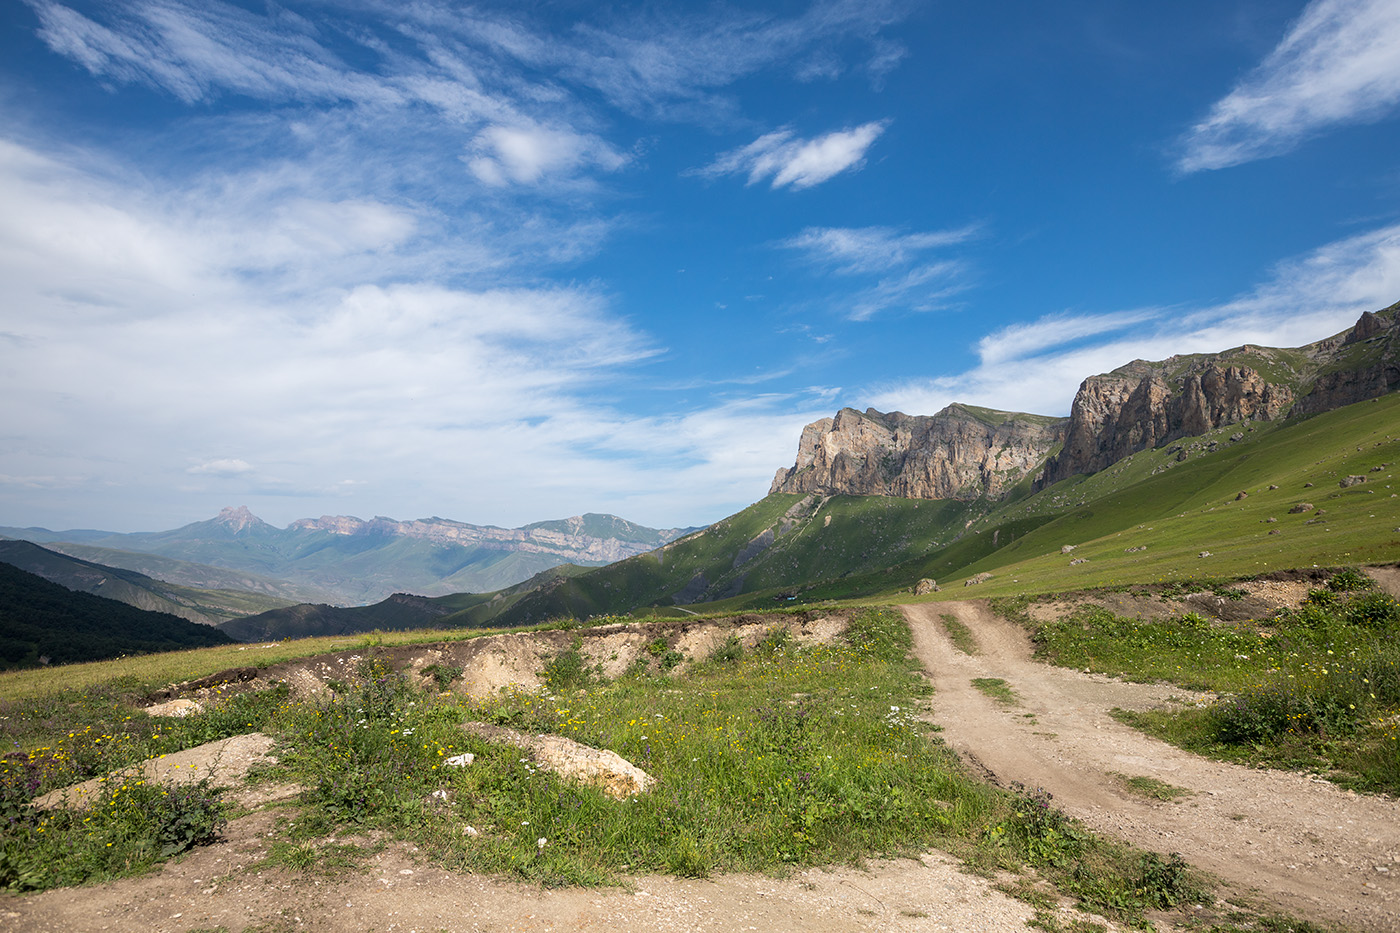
(925,586)
(1236,437)
(1351,481)
(1300,508)
(1307,485)
(959,453)
(1273,486)
(224,763)
(1067,548)
(610,772)
(460,761)
(1204,554)
(1275,531)
(1270,521)
(1144,405)
(1242,495)
(174,708)
(1079,560)
(979,578)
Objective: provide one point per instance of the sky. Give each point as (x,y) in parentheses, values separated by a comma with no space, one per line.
(511,262)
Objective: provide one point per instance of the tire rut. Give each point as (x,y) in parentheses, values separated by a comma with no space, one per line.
(1296,841)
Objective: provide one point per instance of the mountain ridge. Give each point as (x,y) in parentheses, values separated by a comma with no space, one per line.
(346,560)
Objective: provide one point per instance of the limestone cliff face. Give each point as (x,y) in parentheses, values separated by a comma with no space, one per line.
(960,453)
(1144,405)
(1365,364)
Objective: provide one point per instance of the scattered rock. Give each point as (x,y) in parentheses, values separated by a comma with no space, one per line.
(1351,481)
(174,708)
(1204,554)
(1273,485)
(1236,437)
(224,763)
(1275,531)
(1300,508)
(980,578)
(1307,485)
(1377,469)
(460,761)
(1134,550)
(1067,548)
(925,586)
(1242,495)
(614,775)
(1270,521)
(1079,560)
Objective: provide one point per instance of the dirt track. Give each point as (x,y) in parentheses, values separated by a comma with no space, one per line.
(1297,842)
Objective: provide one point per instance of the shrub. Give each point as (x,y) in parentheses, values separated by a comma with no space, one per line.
(1374,610)
(1348,579)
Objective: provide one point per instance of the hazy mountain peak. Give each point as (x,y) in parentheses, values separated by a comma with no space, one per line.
(238,519)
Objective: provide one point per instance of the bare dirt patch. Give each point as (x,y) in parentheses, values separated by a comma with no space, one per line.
(1292,840)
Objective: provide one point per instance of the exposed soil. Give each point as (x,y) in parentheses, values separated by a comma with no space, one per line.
(1288,840)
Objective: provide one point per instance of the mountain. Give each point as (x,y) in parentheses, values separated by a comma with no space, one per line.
(963,452)
(1148,404)
(345,560)
(207,606)
(44,623)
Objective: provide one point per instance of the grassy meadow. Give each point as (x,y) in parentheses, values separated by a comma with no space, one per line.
(780,755)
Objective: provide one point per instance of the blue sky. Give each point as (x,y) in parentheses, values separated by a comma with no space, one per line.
(510,262)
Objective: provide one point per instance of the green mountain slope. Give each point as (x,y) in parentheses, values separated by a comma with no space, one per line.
(1170,509)
(207,606)
(45,623)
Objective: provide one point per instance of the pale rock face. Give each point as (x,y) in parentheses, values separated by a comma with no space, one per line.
(954,454)
(1136,408)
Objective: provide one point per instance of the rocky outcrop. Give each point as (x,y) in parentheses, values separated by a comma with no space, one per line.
(1365,365)
(960,453)
(1144,405)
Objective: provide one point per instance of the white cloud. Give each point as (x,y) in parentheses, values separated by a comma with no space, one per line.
(852,251)
(900,274)
(1340,63)
(795,162)
(222,467)
(525,155)
(1037,367)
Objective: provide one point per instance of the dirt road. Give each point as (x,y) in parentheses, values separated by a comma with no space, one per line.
(1299,842)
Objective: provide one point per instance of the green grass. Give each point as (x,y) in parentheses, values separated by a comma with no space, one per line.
(1152,788)
(782,755)
(1315,689)
(997,689)
(959,634)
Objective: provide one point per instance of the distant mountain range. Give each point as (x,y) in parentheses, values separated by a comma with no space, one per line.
(341,560)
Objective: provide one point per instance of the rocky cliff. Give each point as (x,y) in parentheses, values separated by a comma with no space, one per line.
(1147,404)
(960,453)
(967,453)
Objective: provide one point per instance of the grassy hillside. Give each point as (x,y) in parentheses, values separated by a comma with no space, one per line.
(1169,504)
(207,606)
(44,623)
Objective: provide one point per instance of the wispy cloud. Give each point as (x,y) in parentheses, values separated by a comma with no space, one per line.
(896,265)
(1037,367)
(800,163)
(525,155)
(858,250)
(1340,63)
